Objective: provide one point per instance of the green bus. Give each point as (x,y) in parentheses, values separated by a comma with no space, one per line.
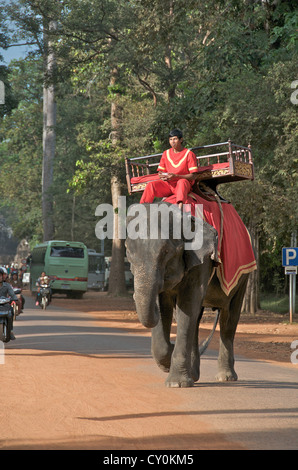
(66,264)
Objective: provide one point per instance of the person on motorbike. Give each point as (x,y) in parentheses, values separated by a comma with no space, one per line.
(17,283)
(42,281)
(5,274)
(7,291)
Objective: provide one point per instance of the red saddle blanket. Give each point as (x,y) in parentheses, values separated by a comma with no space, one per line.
(235,252)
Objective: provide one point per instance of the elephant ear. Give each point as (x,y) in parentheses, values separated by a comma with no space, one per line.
(206,248)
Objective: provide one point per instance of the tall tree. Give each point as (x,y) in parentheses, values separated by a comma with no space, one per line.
(116,278)
(49,130)
(35,25)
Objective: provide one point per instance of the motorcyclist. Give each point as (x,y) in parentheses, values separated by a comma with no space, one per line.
(17,283)
(7,291)
(42,281)
(5,274)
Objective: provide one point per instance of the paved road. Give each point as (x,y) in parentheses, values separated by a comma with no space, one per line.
(79,382)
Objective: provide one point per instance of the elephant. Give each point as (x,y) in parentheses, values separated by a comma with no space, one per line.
(170,279)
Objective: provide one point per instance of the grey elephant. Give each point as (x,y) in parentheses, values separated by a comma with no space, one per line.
(169,278)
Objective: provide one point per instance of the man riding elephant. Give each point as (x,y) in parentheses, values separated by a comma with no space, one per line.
(177,171)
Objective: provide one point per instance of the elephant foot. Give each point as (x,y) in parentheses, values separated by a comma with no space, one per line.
(180,384)
(226,376)
(179,381)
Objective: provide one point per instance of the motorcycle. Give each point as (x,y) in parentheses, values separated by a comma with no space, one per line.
(17,307)
(6,319)
(45,296)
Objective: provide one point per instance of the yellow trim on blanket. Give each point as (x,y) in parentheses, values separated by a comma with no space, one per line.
(228,287)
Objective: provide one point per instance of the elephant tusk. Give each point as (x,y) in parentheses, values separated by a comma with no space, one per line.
(204,345)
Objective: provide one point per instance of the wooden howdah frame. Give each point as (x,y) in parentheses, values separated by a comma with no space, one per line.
(224,162)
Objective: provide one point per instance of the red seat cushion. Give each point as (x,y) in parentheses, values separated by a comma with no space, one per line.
(155,176)
(214,166)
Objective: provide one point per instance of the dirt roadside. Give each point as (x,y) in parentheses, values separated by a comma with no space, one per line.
(265,336)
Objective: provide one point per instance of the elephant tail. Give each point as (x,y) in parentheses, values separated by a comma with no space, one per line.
(204,345)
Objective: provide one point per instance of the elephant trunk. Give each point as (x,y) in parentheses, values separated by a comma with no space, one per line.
(146,300)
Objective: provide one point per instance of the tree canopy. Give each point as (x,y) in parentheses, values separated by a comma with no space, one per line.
(216,69)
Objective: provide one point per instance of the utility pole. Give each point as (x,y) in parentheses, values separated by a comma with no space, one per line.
(292,281)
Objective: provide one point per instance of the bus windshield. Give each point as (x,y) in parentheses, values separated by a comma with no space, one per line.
(96,263)
(67,252)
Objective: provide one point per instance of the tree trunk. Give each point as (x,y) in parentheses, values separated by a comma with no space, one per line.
(117,285)
(49,139)
(251,301)
(168,62)
(72,217)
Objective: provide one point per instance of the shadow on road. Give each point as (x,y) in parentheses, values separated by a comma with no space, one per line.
(58,331)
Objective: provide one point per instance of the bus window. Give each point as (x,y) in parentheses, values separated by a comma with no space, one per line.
(67,252)
(96,263)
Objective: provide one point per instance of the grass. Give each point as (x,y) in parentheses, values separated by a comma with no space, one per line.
(277,303)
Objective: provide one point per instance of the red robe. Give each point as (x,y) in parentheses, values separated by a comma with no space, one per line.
(181,163)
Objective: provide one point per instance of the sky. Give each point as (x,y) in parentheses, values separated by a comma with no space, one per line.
(17,52)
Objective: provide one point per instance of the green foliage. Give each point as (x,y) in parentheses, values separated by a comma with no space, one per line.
(215,69)
(20,153)
(276,303)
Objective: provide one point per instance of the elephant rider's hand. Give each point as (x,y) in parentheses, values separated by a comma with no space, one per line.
(166,176)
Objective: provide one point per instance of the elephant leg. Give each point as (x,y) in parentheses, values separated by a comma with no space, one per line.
(195,355)
(185,362)
(161,347)
(184,370)
(228,323)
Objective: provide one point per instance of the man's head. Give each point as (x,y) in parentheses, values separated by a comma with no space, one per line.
(4,274)
(176,133)
(176,139)
(1,275)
